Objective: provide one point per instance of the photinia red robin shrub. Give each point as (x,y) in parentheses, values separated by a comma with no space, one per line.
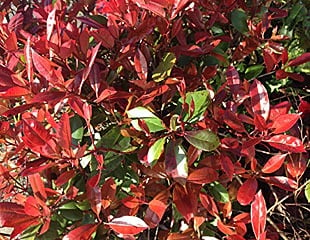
(151,119)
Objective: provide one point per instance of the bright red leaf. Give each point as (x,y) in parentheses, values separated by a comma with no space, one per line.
(260,100)
(127,225)
(284,123)
(286,143)
(81,232)
(247,191)
(274,163)
(258,215)
(203,176)
(37,186)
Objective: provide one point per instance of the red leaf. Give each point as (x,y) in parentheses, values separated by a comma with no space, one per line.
(260,123)
(77,105)
(247,191)
(178,5)
(152,6)
(89,65)
(108,191)
(203,176)
(63,133)
(209,204)
(82,232)
(104,36)
(13,215)
(281,182)
(131,202)
(37,186)
(43,65)
(34,133)
(154,212)
(258,214)
(279,109)
(16,22)
(297,164)
(260,100)
(193,153)
(305,57)
(227,166)
(281,74)
(128,225)
(94,198)
(14,92)
(233,121)
(304,108)
(185,200)
(149,97)
(65,177)
(274,163)
(286,143)
(269,60)
(32,207)
(141,65)
(226,229)
(50,22)
(233,81)
(175,161)
(48,96)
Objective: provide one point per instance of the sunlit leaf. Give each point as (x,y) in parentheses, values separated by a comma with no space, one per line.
(307,192)
(247,191)
(274,163)
(128,225)
(259,99)
(219,192)
(197,102)
(163,70)
(258,214)
(155,151)
(154,123)
(176,161)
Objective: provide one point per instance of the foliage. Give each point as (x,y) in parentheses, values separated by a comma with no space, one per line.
(151,119)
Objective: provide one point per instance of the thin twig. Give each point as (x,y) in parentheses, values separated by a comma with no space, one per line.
(286,197)
(277,229)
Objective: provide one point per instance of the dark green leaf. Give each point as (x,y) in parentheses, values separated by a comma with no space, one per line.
(72,214)
(77,129)
(239,20)
(253,71)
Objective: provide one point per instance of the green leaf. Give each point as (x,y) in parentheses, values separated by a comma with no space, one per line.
(77,129)
(239,20)
(219,192)
(307,192)
(72,214)
(154,123)
(253,71)
(164,68)
(200,101)
(113,139)
(203,139)
(68,205)
(155,151)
